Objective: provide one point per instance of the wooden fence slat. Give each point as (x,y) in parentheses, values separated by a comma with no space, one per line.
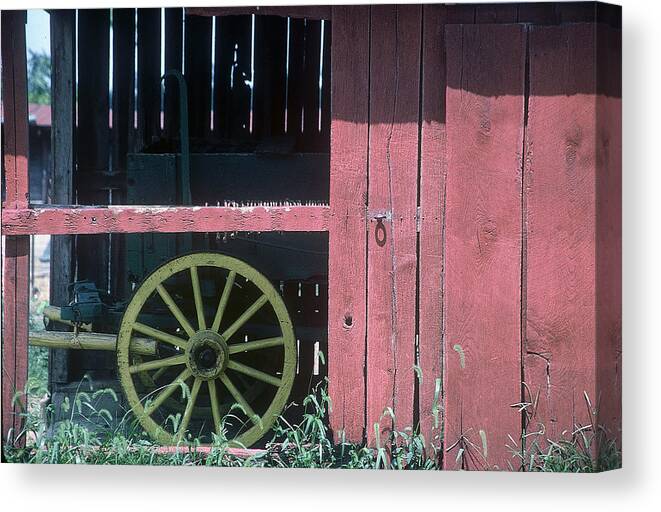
(123,132)
(482,299)
(174,42)
(324,136)
(17,249)
(311,84)
(563,178)
(392,240)
(197,70)
(295,79)
(270,81)
(149,75)
(63,91)
(93,133)
(232,69)
(347,237)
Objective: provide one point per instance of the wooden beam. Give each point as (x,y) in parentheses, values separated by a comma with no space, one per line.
(482,297)
(15,286)
(347,234)
(148,219)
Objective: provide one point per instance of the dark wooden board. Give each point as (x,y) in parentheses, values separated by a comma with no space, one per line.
(347,238)
(174,42)
(63,76)
(197,70)
(231,116)
(609,233)
(482,299)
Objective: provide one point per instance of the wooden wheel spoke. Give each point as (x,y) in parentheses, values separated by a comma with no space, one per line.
(215,409)
(247,315)
(167,392)
(158,363)
(160,335)
(189,408)
(197,293)
(236,394)
(255,345)
(174,309)
(223,301)
(254,373)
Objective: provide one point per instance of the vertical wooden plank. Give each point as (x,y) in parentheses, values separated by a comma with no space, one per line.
(295,79)
(270,82)
(311,84)
(347,235)
(149,75)
(123,86)
(174,43)
(16,258)
(197,69)
(14,81)
(93,134)
(232,69)
(63,91)
(93,157)
(482,300)
(432,209)
(608,256)
(559,363)
(392,198)
(324,136)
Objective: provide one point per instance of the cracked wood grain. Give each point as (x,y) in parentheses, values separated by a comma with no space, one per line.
(393,157)
(482,298)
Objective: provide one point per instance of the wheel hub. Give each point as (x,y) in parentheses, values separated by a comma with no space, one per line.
(207,354)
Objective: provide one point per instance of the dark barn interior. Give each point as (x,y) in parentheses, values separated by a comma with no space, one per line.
(241,117)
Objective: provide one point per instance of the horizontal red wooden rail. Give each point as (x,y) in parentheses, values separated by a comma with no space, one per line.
(162,219)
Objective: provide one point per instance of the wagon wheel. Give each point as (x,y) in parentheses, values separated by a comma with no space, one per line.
(207,356)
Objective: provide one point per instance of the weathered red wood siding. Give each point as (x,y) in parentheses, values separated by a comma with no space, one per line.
(347,237)
(392,199)
(154,219)
(15,265)
(574,235)
(485,106)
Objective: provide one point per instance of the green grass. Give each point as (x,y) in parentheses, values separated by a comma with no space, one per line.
(306,444)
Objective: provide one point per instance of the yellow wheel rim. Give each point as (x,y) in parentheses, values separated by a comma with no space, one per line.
(206,353)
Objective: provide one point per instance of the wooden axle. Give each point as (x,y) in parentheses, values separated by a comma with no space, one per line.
(54,314)
(89,341)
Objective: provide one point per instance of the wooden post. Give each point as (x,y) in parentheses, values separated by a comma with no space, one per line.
(16,261)
(482,299)
(392,199)
(347,237)
(63,91)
